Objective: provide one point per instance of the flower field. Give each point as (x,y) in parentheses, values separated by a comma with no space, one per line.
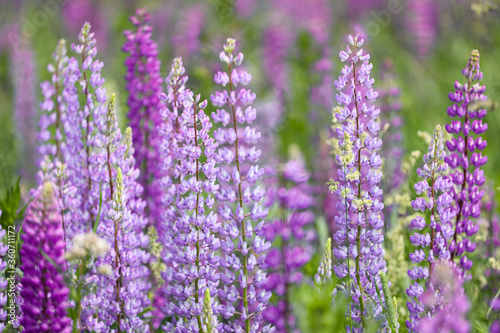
(249,166)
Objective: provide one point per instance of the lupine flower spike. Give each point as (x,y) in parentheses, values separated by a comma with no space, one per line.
(239,198)
(144,87)
(430,247)
(359,204)
(121,296)
(195,259)
(80,125)
(168,152)
(466,159)
(44,291)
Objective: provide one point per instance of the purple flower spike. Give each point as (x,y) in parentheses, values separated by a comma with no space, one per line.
(431,248)
(144,87)
(358,240)
(83,80)
(121,294)
(465,158)
(168,153)
(44,291)
(51,134)
(243,245)
(196,259)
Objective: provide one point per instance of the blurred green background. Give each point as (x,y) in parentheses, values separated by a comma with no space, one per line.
(425,78)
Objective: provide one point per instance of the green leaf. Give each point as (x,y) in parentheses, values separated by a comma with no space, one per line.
(12,206)
(480,326)
(96,222)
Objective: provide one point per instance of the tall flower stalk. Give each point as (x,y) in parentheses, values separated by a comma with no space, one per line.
(168,148)
(359,195)
(466,159)
(430,248)
(80,125)
(239,198)
(196,258)
(121,294)
(144,88)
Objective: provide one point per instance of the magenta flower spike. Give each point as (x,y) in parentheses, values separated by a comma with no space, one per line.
(44,291)
(242,294)
(144,88)
(466,159)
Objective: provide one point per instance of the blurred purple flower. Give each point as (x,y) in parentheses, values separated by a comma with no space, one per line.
(445,300)
(25,109)
(422,24)
(293,248)
(186,39)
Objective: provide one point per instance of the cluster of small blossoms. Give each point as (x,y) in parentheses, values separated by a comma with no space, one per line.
(44,291)
(144,88)
(167,151)
(121,296)
(87,244)
(242,295)
(358,239)
(291,240)
(195,258)
(435,186)
(465,158)
(51,133)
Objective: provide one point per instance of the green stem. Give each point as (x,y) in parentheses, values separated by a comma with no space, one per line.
(245,257)
(358,239)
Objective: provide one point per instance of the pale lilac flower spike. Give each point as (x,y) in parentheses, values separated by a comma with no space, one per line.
(239,196)
(359,238)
